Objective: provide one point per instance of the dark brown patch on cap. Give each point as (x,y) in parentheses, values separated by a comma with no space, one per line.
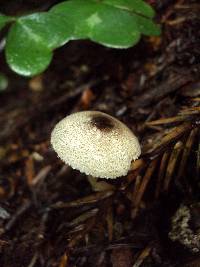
(103,123)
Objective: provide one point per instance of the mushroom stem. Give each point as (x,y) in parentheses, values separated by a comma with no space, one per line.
(99,185)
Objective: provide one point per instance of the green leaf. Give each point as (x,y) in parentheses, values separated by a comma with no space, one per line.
(31,40)
(77,12)
(26,53)
(148,27)
(114,23)
(135,6)
(113,28)
(52,29)
(4,20)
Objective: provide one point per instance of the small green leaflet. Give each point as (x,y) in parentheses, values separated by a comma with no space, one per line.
(113,23)
(31,40)
(4,20)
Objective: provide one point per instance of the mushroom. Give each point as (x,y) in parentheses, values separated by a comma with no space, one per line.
(95,143)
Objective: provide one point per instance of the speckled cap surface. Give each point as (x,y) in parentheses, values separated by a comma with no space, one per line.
(95,143)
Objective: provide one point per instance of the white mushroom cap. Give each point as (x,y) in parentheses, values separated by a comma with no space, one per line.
(95,143)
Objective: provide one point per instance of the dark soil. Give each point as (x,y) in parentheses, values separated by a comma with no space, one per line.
(49,214)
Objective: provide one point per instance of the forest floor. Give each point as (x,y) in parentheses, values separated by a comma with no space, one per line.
(49,214)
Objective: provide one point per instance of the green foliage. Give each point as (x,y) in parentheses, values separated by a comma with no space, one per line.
(113,23)
(4,20)
(31,40)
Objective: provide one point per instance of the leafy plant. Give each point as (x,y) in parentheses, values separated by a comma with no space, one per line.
(114,23)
